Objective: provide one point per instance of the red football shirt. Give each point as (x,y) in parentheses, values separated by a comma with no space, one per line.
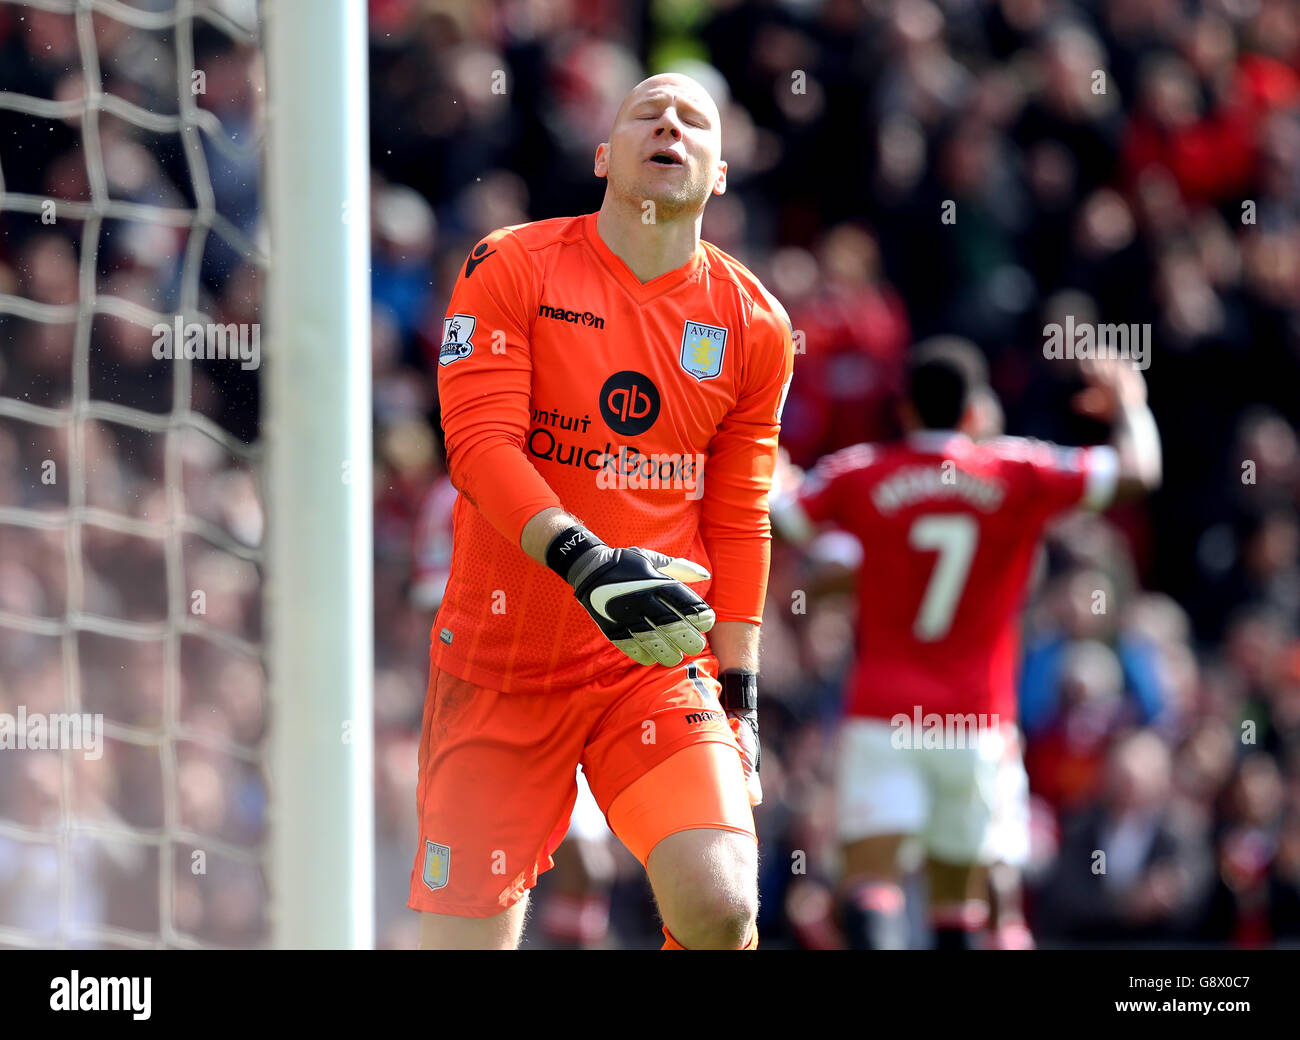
(948,529)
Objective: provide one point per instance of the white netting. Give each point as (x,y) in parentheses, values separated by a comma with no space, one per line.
(152,518)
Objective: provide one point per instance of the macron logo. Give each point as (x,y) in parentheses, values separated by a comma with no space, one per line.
(73,993)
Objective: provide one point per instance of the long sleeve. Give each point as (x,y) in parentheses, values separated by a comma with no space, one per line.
(485,385)
(734,523)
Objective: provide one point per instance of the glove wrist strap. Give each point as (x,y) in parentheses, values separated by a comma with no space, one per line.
(739,690)
(567,546)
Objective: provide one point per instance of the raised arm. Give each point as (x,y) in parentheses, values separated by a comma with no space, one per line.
(1117,393)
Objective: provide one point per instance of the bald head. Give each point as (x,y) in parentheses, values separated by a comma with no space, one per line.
(689,92)
(665,146)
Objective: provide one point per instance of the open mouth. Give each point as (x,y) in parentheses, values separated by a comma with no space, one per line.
(666,159)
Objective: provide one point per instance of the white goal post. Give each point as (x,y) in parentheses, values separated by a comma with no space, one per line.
(318,479)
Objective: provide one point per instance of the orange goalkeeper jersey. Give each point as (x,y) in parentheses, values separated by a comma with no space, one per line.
(649,411)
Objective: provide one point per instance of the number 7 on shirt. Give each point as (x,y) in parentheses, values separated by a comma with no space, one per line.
(954,536)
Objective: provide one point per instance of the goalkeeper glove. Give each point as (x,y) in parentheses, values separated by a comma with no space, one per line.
(635,596)
(740,702)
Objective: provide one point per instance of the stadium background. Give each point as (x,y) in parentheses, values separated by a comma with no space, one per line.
(1171,198)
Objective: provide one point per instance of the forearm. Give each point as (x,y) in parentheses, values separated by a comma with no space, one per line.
(1136,440)
(497,479)
(790,521)
(1117,393)
(541,529)
(740,557)
(735,644)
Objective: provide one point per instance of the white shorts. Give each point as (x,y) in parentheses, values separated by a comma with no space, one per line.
(966,804)
(1009,831)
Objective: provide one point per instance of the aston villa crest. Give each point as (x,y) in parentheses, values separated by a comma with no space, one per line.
(437,864)
(702,349)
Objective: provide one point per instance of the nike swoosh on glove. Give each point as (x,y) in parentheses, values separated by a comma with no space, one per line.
(635,596)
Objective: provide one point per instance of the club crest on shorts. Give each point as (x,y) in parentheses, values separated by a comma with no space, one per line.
(702,349)
(437,864)
(457,342)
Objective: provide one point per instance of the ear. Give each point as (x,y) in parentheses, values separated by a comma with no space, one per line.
(720,185)
(602,159)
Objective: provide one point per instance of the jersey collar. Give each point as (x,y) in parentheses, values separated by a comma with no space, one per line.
(638,290)
(936,442)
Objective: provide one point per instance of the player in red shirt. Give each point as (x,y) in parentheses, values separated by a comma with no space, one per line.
(605,381)
(948,528)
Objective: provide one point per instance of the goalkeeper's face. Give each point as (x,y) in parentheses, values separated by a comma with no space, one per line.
(665,147)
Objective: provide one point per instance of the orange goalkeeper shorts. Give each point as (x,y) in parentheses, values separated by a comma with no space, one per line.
(497,775)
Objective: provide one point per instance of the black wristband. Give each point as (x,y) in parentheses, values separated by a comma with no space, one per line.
(567,546)
(739,690)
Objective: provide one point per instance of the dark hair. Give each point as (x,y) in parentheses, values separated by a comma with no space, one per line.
(942,374)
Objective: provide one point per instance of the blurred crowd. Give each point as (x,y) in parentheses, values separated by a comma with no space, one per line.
(1117,162)
(113,879)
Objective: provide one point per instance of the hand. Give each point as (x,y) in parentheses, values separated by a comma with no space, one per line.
(744,724)
(636,596)
(1157,894)
(740,702)
(786,477)
(1113,384)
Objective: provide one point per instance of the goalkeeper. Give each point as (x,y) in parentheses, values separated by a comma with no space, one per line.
(611,389)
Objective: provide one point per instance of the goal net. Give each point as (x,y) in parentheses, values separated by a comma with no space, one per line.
(180,713)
